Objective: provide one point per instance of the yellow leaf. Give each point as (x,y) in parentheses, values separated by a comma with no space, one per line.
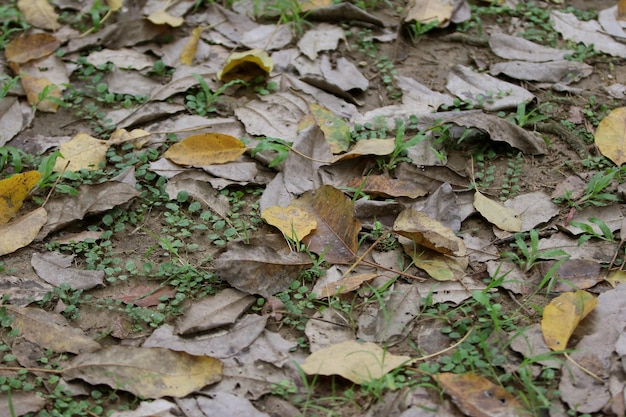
(29,47)
(368,147)
(146,372)
(610,136)
(161,17)
(115,5)
(206,149)
(336,130)
(13,192)
(428,232)
(246,65)
(437,265)
(427,11)
(39,13)
(189,50)
(563,314)
(36,86)
(21,232)
(357,362)
(497,214)
(617,277)
(347,284)
(82,151)
(293,222)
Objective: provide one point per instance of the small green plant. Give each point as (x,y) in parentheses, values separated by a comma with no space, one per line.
(204,101)
(418,29)
(528,254)
(595,193)
(589,232)
(401,145)
(386,70)
(11,23)
(510,181)
(289,12)
(278,146)
(524,117)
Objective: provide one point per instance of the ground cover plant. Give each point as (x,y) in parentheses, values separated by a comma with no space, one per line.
(254,207)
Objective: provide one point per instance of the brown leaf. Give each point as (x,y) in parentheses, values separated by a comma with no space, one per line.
(29,47)
(55,269)
(336,236)
(34,87)
(39,13)
(345,285)
(50,330)
(368,147)
(206,149)
(260,269)
(428,232)
(479,397)
(383,186)
(146,372)
(144,296)
(437,265)
(22,231)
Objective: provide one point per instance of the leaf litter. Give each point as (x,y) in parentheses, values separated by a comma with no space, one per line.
(351,213)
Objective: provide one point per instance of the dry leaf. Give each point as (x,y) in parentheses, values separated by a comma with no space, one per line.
(563,314)
(114,5)
(50,330)
(428,232)
(336,130)
(246,65)
(336,236)
(383,186)
(357,362)
(39,13)
(162,17)
(22,231)
(437,265)
(34,87)
(478,397)
(206,149)
(346,284)
(497,214)
(13,192)
(610,136)
(428,11)
(29,47)
(82,151)
(146,372)
(293,222)
(368,147)
(191,46)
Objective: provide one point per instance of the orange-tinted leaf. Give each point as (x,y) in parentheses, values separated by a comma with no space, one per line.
(191,46)
(39,13)
(383,186)
(36,86)
(336,130)
(13,192)
(146,372)
(82,151)
(22,231)
(497,214)
(479,397)
(347,284)
(428,232)
(293,222)
(610,136)
(28,47)
(162,17)
(246,65)
(357,362)
(337,230)
(206,149)
(562,315)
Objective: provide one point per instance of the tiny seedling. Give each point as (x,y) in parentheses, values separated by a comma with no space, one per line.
(595,192)
(529,254)
(204,101)
(589,232)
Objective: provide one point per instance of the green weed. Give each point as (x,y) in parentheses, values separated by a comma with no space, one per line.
(203,101)
(527,255)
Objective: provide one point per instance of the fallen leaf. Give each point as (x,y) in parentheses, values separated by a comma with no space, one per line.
(429,11)
(22,231)
(146,372)
(610,136)
(617,277)
(336,236)
(346,284)
(190,48)
(162,17)
(295,223)
(246,65)
(336,130)
(357,362)
(82,151)
(383,186)
(144,296)
(29,47)
(39,13)
(478,397)
(13,192)
(437,265)
(206,149)
(35,87)
(55,269)
(561,317)
(23,402)
(428,232)
(50,330)
(497,214)
(368,147)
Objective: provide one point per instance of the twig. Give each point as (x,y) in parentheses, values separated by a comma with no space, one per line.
(582,368)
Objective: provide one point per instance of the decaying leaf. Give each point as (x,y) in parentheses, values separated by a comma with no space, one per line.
(246,65)
(336,130)
(82,151)
(336,236)
(428,232)
(13,192)
(295,223)
(146,372)
(22,231)
(610,136)
(368,147)
(563,314)
(41,93)
(206,149)
(190,48)
(29,47)
(357,362)
(384,186)
(437,265)
(346,284)
(50,330)
(478,397)
(39,13)
(496,213)
(55,269)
